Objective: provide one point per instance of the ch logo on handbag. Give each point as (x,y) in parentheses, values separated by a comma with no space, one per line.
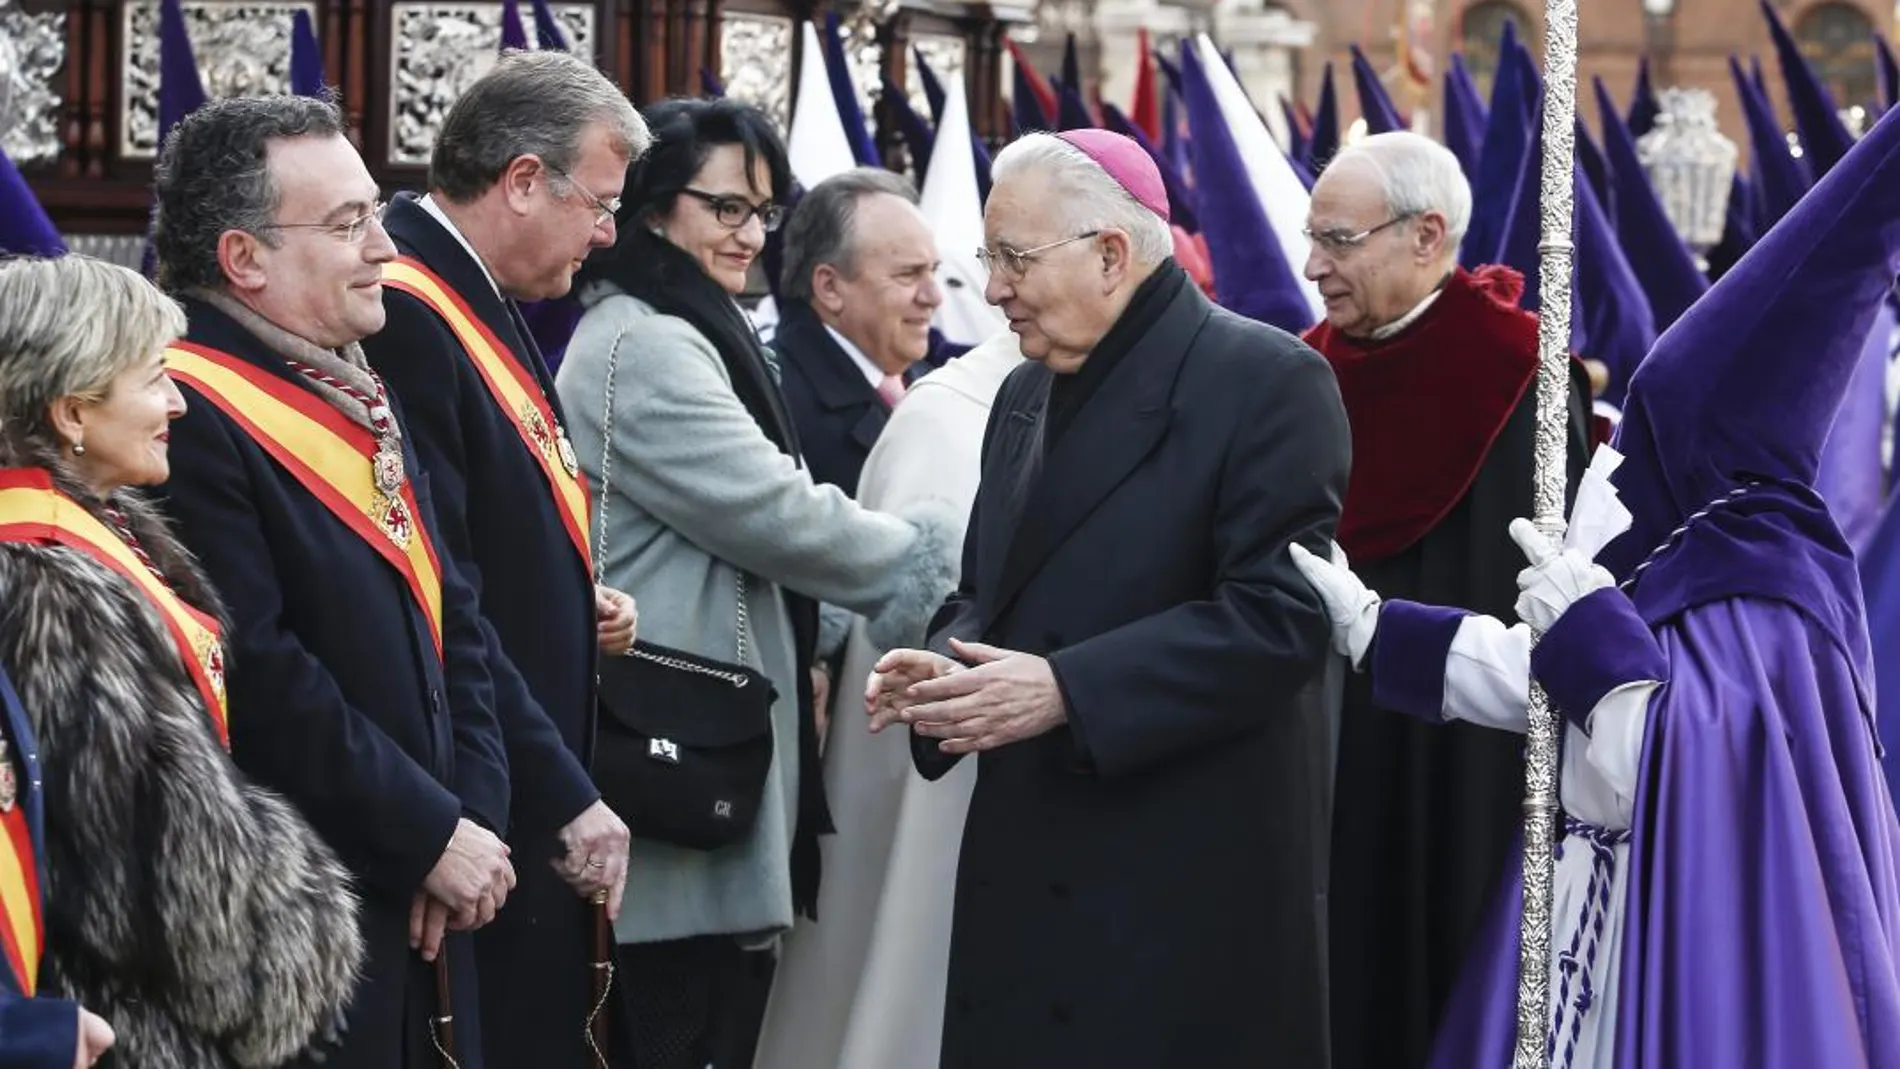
(664,750)
(722,809)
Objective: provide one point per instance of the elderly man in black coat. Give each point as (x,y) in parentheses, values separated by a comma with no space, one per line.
(1132,653)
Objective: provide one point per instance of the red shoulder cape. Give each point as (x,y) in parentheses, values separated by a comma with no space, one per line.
(1426,406)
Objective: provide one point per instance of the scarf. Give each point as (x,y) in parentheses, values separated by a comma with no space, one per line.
(347,365)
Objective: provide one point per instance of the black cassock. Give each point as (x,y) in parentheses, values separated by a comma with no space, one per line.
(1426,814)
(1144,886)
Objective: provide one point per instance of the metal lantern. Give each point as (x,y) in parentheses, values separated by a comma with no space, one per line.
(1692,167)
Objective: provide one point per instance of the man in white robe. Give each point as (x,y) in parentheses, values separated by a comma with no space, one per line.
(863,987)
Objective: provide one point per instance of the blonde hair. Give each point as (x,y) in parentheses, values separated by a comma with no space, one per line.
(68,327)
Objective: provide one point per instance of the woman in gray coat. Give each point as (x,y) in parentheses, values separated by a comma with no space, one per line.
(666,382)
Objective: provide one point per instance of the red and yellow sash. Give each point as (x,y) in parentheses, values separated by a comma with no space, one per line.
(31,510)
(514,388)
(22,928)
(332,457)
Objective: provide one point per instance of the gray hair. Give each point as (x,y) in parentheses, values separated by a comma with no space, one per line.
(1417,175)
(530,103)
(1084,194)
(48,352)
(214,175)
(822,229)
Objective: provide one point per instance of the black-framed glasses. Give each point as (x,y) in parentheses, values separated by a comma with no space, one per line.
(733,212)
(604,210)
(1014,264)
(1341,242)
(350,232)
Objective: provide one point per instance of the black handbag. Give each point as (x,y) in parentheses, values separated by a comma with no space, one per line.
(684,742)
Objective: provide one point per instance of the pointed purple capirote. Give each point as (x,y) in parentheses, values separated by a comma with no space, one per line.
(844,96)
(709,83)
(1783,179)
(916,134)
(1644,107)
(1663,264)
(1746,385)
(514,33)
(933,86)
(1323,144)
(306,59)
(180,90)
(1824,137)
(1464,117)
(1251,272)
(1500,158)
(547,29)
(1381,115)
(25,228)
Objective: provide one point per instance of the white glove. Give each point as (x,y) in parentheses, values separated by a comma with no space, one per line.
(1350,605)
(1556,578)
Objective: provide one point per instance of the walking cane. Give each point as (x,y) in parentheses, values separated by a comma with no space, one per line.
(443,1024)
(1555,258)
(603,968)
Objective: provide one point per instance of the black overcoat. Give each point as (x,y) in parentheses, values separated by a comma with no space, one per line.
(835,408)
(338,698)
(498,519)
(1145,886)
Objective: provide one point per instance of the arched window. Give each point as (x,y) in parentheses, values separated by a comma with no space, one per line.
(1838,41)
(1480,31)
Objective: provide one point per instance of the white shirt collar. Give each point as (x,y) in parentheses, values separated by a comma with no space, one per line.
(872,373)
(1409,318)
(435,212)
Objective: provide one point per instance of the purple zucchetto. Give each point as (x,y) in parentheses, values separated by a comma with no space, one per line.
(1126,162)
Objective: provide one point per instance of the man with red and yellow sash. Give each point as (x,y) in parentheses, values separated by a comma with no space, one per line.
(523,166)
(35,1033)
(364,684)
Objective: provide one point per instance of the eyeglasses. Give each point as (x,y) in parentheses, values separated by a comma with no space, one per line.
(733,212)
(1342,242)
(349,233)
(1014,265)
(604,210)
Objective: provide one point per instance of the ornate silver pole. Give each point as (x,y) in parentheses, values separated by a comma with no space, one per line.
(1555,257)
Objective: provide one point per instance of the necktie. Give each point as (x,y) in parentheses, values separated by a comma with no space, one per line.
(891,390)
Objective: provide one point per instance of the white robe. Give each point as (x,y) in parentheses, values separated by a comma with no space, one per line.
(863,987)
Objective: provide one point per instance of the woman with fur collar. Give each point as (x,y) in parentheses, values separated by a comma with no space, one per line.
(195,912)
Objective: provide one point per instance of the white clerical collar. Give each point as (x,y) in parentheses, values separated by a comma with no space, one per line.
(1409,318)
(435,212)
(872,373)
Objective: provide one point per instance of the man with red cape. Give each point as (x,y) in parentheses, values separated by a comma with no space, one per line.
(1435,365)
(1727,891)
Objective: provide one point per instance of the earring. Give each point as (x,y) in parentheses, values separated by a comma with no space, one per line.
(79,449)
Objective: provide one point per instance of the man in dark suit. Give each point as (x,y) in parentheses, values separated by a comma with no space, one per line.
(528,164)
(860,288)
(364,685)
(1132,652)
(35,1033)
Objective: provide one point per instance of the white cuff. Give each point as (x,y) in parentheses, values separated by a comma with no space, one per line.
(1617,726)
(1488,674)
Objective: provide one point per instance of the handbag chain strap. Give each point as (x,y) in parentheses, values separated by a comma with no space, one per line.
(737,679)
